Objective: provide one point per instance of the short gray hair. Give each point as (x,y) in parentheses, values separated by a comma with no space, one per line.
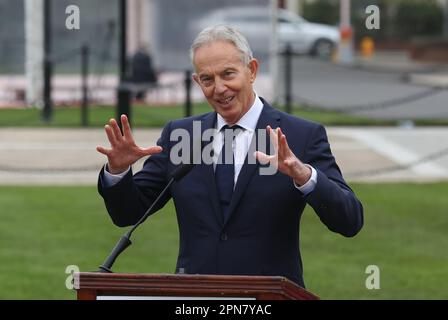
(223,33)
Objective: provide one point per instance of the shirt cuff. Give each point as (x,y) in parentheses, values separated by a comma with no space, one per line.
(309,186)
(112,179)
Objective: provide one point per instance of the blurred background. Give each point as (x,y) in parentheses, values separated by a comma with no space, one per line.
(375,73)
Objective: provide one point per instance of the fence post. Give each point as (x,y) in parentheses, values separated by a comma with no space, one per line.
(84,85)
(124,92)
(124,102)
(188,105)
(288,78)
(48,68)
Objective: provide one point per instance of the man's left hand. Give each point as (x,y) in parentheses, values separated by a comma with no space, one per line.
(284,159)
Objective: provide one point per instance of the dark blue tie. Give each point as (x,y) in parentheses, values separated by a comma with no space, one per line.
(225,170)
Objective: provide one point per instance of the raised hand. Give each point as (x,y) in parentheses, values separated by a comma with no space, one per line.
(123,152)
(284,159)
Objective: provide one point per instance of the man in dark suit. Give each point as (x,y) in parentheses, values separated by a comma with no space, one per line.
(233,218)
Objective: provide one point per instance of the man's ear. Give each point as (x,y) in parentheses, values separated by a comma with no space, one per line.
(196,78)
(253,68)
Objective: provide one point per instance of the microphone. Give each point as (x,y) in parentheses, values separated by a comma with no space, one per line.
(181,171)
(125,241)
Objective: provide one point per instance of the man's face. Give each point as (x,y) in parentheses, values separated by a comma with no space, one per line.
(224,79)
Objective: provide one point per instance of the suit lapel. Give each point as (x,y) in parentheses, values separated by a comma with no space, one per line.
(269,116)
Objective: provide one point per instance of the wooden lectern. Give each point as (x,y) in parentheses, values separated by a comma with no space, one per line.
(91,286)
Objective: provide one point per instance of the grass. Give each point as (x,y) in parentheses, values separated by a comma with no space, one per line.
(45,229)
(404,235)
(157,116)
(142,116)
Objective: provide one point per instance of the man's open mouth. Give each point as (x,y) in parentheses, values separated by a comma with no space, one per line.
(226,101)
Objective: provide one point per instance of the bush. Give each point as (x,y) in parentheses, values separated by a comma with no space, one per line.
(359,17)
(322,11)
(418,18)
(399,19)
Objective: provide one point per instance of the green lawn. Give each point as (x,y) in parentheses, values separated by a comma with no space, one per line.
(157,116)
(45,229)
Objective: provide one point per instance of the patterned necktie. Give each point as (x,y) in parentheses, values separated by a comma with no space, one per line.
(225,169)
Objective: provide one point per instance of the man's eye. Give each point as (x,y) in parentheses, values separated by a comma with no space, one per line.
(206,81)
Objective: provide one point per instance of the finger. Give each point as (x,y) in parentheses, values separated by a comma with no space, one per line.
(127,132)
(278,138)
(271,132)
(151,150)
(103,150)
(283,144)
(280,132)
(116,129)
(273,137)
(284,141)
(110,135)
(284,147)
(263,158)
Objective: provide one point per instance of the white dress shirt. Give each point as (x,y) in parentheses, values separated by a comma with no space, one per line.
(240,147)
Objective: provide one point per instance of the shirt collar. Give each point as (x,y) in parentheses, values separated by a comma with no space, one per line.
(249,120)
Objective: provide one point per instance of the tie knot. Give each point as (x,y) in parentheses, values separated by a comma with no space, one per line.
(233,127)
(230,132)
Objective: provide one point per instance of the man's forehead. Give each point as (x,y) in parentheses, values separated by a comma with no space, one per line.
(217,63)
(217,68)
(217,53)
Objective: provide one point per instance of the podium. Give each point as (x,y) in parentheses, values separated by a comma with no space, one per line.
(105,286)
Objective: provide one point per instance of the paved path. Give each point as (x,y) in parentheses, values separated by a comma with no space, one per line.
(398,89)
(391,154)
(68,156)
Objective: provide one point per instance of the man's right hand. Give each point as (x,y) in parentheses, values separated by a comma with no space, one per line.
(124,152)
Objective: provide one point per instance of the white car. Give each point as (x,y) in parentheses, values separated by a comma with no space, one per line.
(254,22)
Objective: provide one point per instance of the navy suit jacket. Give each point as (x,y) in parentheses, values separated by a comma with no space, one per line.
(261,235)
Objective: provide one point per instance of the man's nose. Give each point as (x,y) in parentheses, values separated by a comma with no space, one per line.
(220,86)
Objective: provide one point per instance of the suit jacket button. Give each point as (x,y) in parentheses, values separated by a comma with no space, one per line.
(224,237)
